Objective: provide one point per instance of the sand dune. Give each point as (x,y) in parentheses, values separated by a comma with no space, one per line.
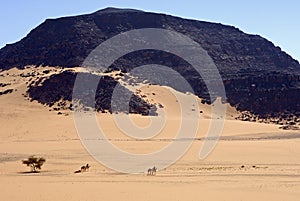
(252,161)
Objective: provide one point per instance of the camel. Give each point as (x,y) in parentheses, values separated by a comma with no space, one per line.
(83,168)
(152,171)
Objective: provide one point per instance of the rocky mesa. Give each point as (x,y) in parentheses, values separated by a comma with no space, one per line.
(261,80)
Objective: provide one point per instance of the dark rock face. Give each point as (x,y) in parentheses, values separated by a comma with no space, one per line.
(266,96)
(258,76)
(67,41)
(59,87)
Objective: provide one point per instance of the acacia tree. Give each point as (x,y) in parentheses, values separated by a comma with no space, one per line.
(34,163)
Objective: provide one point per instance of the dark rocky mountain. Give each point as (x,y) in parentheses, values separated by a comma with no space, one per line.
(258,76)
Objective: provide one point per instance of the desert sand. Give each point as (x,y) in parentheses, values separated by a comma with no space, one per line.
(252,161)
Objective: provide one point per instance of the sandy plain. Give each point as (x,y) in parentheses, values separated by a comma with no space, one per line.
(252,161)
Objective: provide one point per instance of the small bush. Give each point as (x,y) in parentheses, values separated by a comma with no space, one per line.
(34,163)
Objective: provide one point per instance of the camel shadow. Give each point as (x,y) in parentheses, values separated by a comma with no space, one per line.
(29,172)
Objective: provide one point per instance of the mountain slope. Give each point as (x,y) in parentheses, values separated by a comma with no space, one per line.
(258,76)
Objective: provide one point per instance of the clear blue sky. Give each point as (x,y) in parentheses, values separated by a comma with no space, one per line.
(276,20)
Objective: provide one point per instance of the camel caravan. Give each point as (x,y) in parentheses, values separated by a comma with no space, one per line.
(83,169)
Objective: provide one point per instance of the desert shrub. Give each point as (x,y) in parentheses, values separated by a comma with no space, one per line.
(34,163)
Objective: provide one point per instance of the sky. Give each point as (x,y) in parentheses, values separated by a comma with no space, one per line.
(276,20)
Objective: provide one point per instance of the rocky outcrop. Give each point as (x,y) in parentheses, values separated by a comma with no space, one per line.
(258,76)
(7,91)
(59,88)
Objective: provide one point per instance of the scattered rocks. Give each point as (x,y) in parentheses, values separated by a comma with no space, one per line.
(8,91)
(4,84)
(290,127)
(287,120)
